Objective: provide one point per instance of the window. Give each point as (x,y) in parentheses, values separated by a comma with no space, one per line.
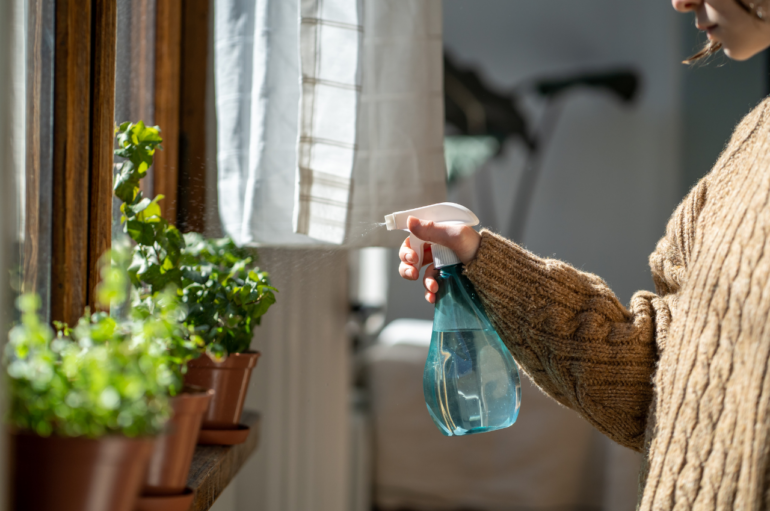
(134,76)
(33,145)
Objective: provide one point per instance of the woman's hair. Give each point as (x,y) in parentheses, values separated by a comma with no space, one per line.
(712,47)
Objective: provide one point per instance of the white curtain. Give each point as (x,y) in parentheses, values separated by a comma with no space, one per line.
(330,115)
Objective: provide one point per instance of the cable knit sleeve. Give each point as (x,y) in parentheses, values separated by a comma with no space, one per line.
(572,336)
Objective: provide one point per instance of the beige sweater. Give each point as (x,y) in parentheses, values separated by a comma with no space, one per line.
(682,374)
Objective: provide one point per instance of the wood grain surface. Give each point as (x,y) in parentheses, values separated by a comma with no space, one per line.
(33,177)
(168,55)
(102,136)
(84,105)
(71,160)
(192,127)
(214,466)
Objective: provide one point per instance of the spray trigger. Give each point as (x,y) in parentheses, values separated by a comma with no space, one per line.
(444,213)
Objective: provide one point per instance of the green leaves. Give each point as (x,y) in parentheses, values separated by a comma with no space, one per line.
(137,144)
(224,293)
(103,377)
(141,217)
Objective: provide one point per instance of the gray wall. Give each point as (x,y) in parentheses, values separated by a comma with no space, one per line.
(715,96)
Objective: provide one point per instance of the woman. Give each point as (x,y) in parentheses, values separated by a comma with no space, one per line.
(683,374)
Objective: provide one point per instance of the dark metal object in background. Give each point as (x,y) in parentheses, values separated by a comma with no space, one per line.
(622,83)
(475,109)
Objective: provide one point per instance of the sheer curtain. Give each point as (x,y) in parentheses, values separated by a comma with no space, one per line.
(329,114)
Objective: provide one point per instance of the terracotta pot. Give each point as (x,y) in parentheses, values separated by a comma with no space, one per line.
(229,380)
(76,474)
(173,451)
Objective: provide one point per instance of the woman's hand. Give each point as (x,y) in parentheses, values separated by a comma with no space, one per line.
(463,240)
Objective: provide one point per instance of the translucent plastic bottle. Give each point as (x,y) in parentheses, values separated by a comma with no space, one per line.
(471,382)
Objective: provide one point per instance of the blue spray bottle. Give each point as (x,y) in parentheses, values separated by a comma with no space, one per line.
(471,382)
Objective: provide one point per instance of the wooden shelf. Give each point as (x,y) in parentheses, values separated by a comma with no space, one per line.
(214,466)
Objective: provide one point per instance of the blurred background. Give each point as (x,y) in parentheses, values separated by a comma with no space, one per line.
(571,127)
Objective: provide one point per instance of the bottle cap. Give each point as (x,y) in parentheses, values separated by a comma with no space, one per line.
(442,256)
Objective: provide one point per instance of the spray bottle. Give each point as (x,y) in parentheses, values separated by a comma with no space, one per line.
(471,382)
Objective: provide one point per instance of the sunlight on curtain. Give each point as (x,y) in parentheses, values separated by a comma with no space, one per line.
(330,115)
(256,73)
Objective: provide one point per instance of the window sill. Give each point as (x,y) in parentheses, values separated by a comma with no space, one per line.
(214,466)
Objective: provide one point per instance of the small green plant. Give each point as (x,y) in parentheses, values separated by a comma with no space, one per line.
(104,376)
(224,293)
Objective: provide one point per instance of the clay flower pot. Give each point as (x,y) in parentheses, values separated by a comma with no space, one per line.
(230,381)
(75,474)
(166,479)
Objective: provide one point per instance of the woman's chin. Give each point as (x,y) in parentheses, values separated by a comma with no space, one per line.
(740,54)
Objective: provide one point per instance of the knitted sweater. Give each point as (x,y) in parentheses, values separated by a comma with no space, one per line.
(682,374)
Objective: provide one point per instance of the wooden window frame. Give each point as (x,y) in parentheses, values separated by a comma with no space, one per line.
(36,256)
(84,106)
(168,58)
(191,199)
(181,58)
(84,102)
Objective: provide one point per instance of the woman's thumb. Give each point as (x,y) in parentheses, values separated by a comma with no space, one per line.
(429,231)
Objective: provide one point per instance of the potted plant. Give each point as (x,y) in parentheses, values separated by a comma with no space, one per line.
(226,298)
(225,295)
(165,482)
(85,405)
(166,478)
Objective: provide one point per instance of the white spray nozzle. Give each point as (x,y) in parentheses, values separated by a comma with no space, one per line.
(444,212)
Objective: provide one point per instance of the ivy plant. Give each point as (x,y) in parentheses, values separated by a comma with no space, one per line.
(104,376)
(224,292)
(226,295)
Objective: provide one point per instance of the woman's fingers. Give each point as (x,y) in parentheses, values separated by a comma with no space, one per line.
(463,240)
(408,271)
(429,280)
(408,268)
(408,259)
(409,256)
(430,283)
(406,254)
